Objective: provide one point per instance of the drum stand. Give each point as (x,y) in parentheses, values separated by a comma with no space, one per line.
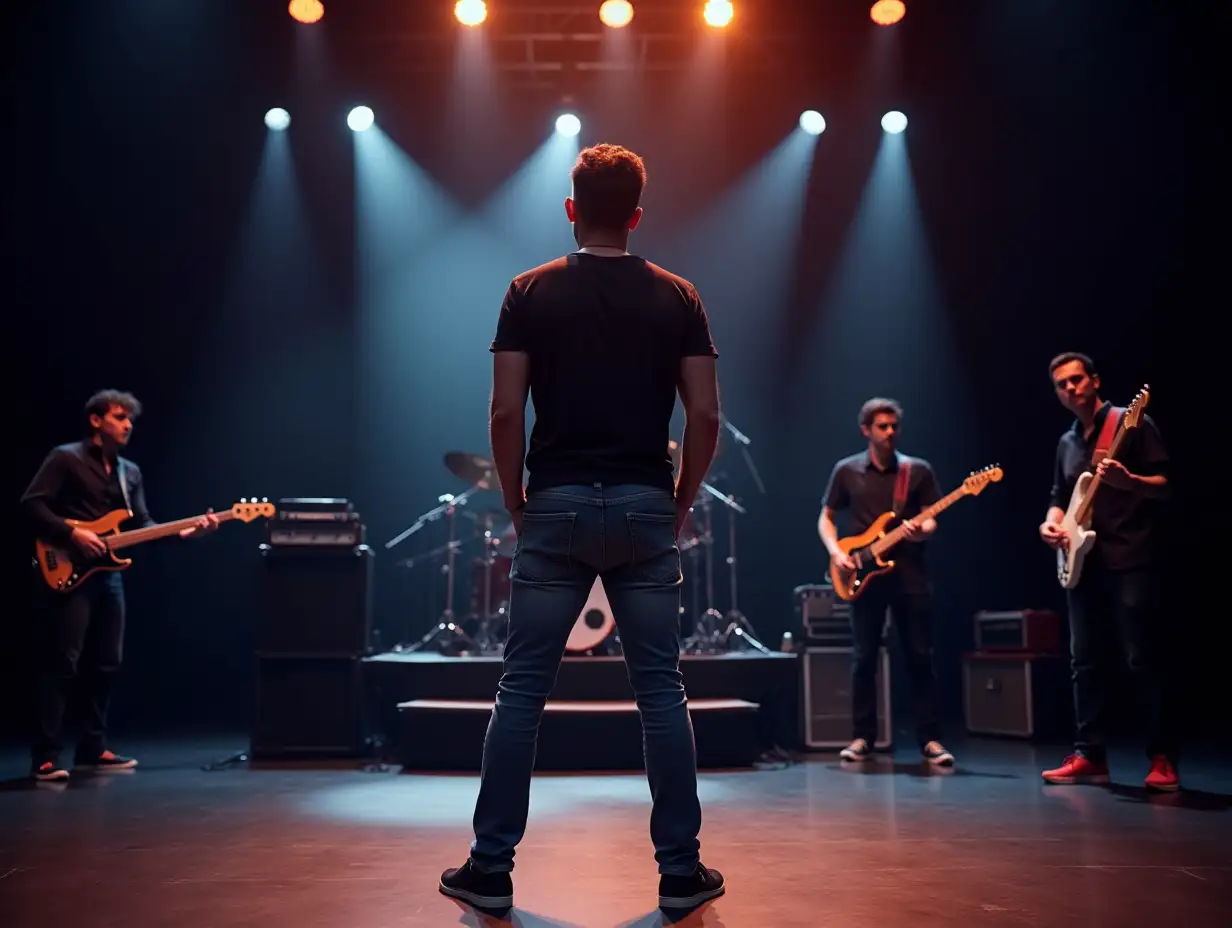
(739,629)
(706,637)
(486,636)
(446,630)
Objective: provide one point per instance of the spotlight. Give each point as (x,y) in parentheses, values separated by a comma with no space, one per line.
(360,119)
(278,119)
(894,122)
(306,11)
(470,12)
(616,13)
(718,13)
(812,122)
(887,12)
(568,125)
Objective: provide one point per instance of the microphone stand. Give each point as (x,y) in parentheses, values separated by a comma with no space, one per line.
(738,625)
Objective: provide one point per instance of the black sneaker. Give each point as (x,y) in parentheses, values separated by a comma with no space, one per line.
(935,753)
(49,772)
(482,890)
(105,761)
(857,750)
(687,892)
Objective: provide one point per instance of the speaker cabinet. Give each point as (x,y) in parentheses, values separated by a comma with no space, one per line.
(1017,695)
(309,707)
(315,601)
(827,698)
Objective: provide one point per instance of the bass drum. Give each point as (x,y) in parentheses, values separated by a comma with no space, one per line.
(595,623)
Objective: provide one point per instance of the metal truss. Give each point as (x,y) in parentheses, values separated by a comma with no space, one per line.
(547,45)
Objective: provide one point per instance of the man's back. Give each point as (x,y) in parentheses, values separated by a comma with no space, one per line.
(605,336)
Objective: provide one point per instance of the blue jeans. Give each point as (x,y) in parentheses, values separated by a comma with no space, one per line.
(626,535)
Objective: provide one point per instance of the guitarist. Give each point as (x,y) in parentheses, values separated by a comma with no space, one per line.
(1118,592)
(869,484)
(81,636)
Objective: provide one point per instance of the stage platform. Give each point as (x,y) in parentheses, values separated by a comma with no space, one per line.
(768,681)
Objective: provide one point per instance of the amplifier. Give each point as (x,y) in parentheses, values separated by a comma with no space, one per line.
(315,602)
(333,533)
(827,698)
(1038,631)
(826,619)
(1017,695)
(309,706)
(315,509)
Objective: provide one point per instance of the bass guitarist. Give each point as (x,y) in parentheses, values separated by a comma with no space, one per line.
(869,484)
(1118,592)
(80,636)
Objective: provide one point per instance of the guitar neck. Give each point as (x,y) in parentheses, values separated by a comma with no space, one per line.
(891,538)
(161,530)
(1084,510)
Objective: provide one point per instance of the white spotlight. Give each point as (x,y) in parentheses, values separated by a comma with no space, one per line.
(894,122)
(360,119)
(812,122)
(568,124)
(278,119)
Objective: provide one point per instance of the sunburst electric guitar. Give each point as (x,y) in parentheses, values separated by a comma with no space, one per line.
(868,549)
(1076,523)
(65,568)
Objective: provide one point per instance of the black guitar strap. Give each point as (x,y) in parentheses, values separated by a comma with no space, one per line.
(122,473)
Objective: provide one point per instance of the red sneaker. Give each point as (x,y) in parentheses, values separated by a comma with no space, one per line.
(1077,770)
(1163,776)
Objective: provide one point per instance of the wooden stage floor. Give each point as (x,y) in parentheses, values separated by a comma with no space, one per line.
(804,846)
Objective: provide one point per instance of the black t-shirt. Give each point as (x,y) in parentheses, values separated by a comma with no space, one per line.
(605,338)
(1124,521)
(858,485)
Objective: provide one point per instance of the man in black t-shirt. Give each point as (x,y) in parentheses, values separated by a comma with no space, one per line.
(1118,592)
(867,484)
(601,341)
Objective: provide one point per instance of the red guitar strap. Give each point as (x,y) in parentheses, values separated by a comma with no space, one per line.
(902,483)
(1106,432)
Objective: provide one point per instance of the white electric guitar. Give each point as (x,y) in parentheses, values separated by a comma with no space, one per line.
(594,623)
(1076,522)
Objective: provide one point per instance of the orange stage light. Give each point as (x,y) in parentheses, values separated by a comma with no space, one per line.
(616,13)
(887,12)
(470,12)
(718,13)
(306,11)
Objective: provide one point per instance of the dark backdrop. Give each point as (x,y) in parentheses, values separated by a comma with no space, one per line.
(1058,158)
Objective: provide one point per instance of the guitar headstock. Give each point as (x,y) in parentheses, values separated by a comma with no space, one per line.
(248,509)
(981,478)
(1133,413)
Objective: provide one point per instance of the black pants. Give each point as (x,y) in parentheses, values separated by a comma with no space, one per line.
(80,639)
(910,608)
(1113,614)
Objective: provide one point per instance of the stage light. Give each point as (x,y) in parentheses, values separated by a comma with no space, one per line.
(812,122)
(278,119)
(359,119)
(718,13)
(894,122)
(306,11)
(567,124)
(887,12)
(616,13)
(470,12)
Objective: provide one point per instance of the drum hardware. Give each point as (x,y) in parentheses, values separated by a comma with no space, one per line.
(480,473)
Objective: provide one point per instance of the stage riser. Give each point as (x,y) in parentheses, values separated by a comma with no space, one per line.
(771,681)
(451,740)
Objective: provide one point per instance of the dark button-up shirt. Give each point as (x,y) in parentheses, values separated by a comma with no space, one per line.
(1124,521)
(73,483)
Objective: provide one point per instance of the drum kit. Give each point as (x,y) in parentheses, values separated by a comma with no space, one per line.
(481,629)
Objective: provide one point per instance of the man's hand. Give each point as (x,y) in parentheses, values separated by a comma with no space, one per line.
(1053,535)
(514,508)
(207,523)
(1113,473)
(911,531)
(842,562)
(88,542)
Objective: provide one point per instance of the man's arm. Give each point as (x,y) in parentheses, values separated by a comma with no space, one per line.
(1050,529)
(827,529)
(929,493)
(507,423)
(699,393)
(1149,463)
(42,492)
(141,512)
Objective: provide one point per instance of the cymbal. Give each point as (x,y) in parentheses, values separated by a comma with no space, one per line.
(473,468)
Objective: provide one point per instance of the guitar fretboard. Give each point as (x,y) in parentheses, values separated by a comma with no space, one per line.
(161,530)
(891,538)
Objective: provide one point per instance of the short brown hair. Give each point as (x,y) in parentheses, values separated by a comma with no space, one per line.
(608,181)
(102,401)
(1065,357)
(878,404)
